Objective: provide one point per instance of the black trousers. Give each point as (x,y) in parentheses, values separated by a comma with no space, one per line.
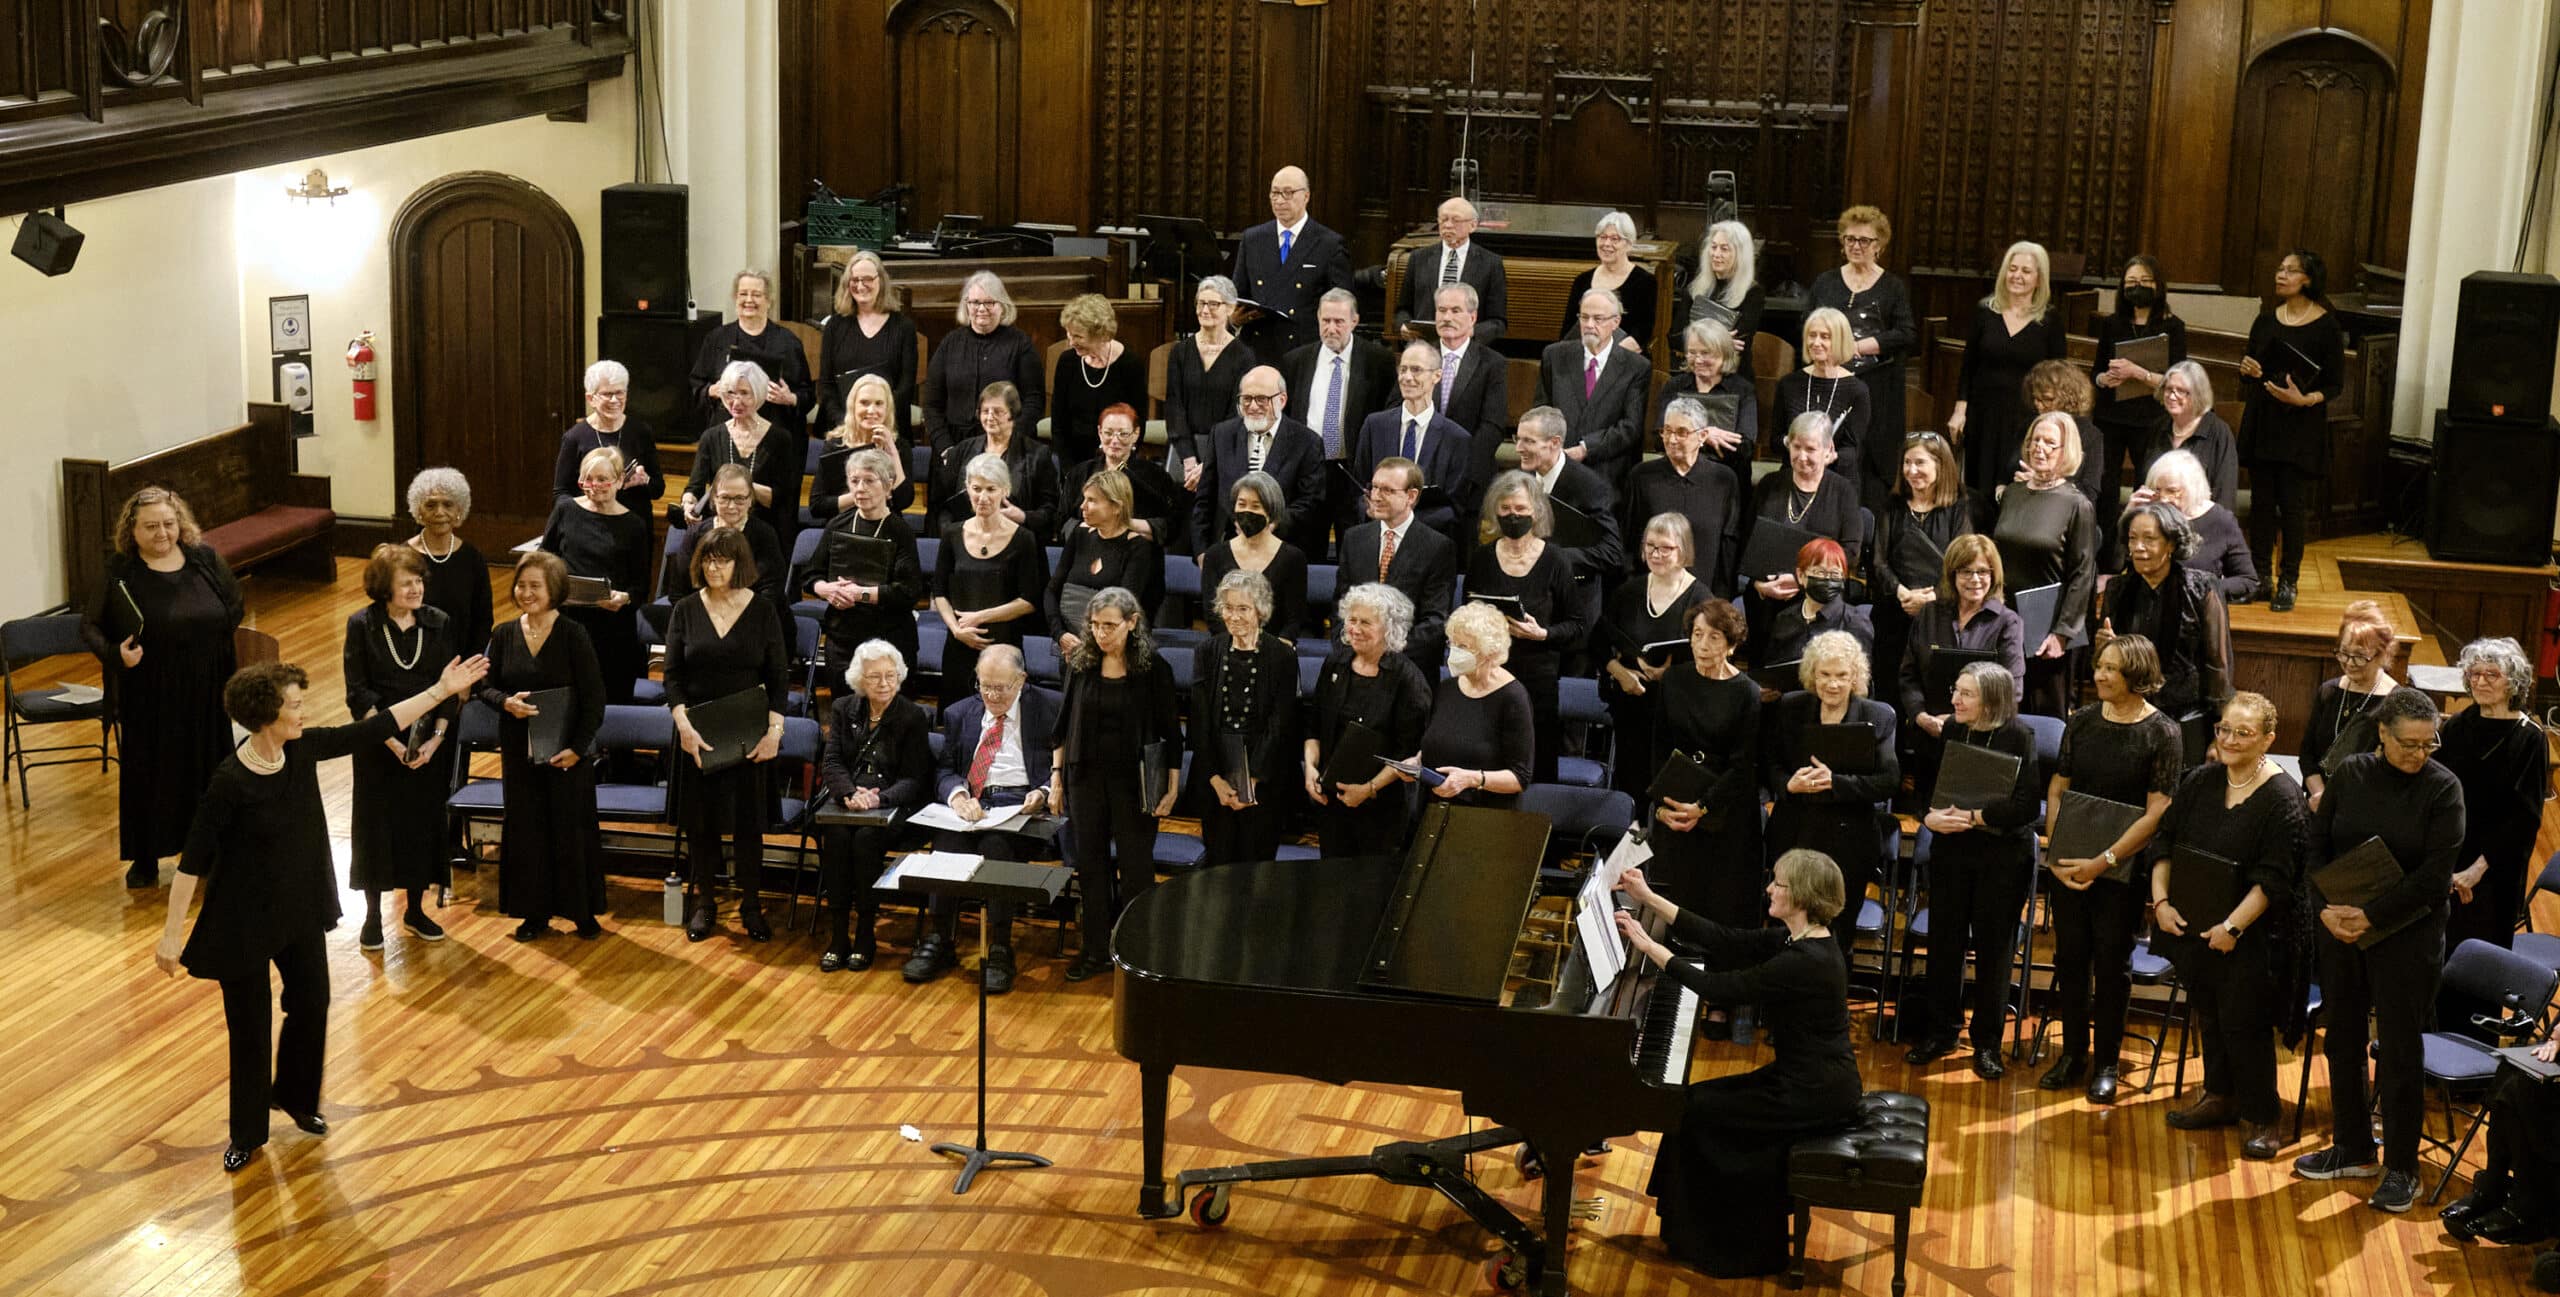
(248,1014)
(2394,982)
(2233,999)
(2093,935)
(849,862)
(1104,821)
(1376,827)
(997,846)
(2279,496)
(1249,834)
(1974,904)
(2524,1146)
(729,804)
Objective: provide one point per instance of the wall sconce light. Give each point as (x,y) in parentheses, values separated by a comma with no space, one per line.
(315,185)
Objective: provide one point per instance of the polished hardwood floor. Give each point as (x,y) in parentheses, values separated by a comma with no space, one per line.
(640,1115)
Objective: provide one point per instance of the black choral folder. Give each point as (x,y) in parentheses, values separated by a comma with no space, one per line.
(1681,779)
(2203,887)
(1849,748)
(863,560)
(1771,551)
(1971,777)
(2356,877)
(1354,758)
(731,726)
(1784,677)
(547,730)
(586,591)
(1573,528)
(2085,825)
(2036,608)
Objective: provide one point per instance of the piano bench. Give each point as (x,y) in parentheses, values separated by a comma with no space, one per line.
(1879,1163)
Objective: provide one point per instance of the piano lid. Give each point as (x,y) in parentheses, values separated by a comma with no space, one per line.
(1301,925)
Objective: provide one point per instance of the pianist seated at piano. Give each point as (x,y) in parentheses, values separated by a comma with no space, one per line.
(877,759)
(1368,682)
(1836,810)
(1483,733)
(1820,604)
(1720,1182)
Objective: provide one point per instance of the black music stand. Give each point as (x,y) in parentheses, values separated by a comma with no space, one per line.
(993,881)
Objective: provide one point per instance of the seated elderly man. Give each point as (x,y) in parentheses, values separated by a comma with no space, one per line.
(995,754)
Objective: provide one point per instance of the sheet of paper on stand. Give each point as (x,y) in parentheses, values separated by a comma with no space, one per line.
(941,816)
(1595,924)
(949,865)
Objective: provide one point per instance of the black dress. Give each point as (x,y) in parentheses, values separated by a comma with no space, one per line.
(1106,728)
(1635,306)
(399,836)
(1244,702)
(1079,394)
(1844,821)
(893,617)
(2505,769)
(1197,399)
(1910,550)
(615,548)
(553,863)
(1396,702)
(1716,867)
(458,586)
(172,733)
(846,353)
(1628,623)
(1720,1181)
(775,464)
(1847,404)
(963,366)
(1287,573)
(1090,562)
(2240,995)
(636,443)
(2340,719)
(1019,570)
(2050,537)
(1978,881)
(1547,595)
(1992,383)
(2297,436)
(1495,732)
(777,351)
(705,666)
(2093,929)
(1708,495)
(1882,312)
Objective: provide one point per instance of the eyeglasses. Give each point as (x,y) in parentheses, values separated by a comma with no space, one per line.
(1588,318)
(1974,574)
(2353,658)
(2232,735)
(1278,192)
(1381,488)
(1415,370)
(990,689)
(1857,240)
(982,304)
(2428,744)
(605,394)
(1101,627)
(1661,547)
(731,497)
(1249,398)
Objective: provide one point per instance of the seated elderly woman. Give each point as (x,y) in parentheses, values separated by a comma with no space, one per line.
(1370,683)
(1821,603)
(878,758)
(1730,426)
(2178,480)
(1483,733)
(1244,714)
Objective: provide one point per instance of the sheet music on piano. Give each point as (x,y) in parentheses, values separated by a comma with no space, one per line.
(1595,926)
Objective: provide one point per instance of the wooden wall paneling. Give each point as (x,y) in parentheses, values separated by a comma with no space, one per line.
(1288,88)
(2317,106)
(1177,120)
(956,68)
(1058,180)
(1881,34)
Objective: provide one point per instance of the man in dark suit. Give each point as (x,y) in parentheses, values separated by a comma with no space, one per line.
(1540,438)
(1475,385)
(1262,436)
(995,754)
(1336,382)
(1600,386)
(1285,264)
(1420,563)
(1457,260)
(1414,430)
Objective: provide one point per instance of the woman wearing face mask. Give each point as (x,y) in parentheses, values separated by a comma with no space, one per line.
(1821,605)
(457,577)
(1531,584)
(395,645)
(1980,865)
(2129,422)
(2048,535)
(1244,711)
(1481,739)
(858,613)
(1825,386)
(1926,514)
(2341,721)
(1368,682)
(1256,547)
(753,338)
(597,537)
(2010,330)
(1103,553)
(2178,607)
(1835,812)
(867,425)
(1706,854)
(1156,492)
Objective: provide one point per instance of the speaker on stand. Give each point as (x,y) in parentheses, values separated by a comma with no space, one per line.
(2506,338)
(659,352)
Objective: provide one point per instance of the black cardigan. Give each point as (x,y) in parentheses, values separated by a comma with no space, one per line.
(1274,706)
(896,758)
(2195,643)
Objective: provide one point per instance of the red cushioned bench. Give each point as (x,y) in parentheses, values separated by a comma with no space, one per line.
(254,509)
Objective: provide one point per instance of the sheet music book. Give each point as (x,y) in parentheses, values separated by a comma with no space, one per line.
(2085,825)
(732,725)
(1235,761)
(1681,779)
(2356,877)
(1916,552)
(547,730)
(1573,528)
(2290,361)
(1771,551)
(1848,748)
(2151,353)
(1938,678)
(2203,887)
(838,815)
(2036,608)
(420,730)
(586,591)
(1661,652)
(863,560)
(1354,758)
(1708,308)
(1157,763)
(1784,677)
(1595,926)
(2520,1057)
(1972,778)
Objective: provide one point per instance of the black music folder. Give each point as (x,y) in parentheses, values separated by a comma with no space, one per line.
(830,477)
(586,591)
(1724,410)
(1454,913)
(1354,758)
(1235,761)
(838,815)
(124,617)
(1508,605)
(1573,529)
(1681,779)
(1938,679)
(1660,652)
(2521,1058)
(547,730)
(2085,825)
(2151,353)
(863,560)
(2358,875)
(420,730)
(731,726)
(1784,677)
(2036,608)
(1971,777)
(2290,361)
(1771,551)
(1849,748)
(1157,763)
(2203,887)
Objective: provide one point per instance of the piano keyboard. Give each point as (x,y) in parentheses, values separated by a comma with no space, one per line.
(1662,1042)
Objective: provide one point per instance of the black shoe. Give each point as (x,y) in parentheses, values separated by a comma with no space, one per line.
(1986,1064)
(751,918)
(309,1123)
(2209,1113)
(422,927)
(2330,1164)
(698,924)
(2260,1143)
(2397,1192)
(2459,1214)
(587,928)
(371,937)
(1930,1050)
(866,948)
(834,960)
(1088,965)
(2065,1072)
(2282,601)
(2103,1085)
(531,929)
(236,1157)
(997,970)
(141,875)
(932,959)
(2506,1228)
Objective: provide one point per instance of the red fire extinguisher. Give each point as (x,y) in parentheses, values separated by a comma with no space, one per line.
(360,364)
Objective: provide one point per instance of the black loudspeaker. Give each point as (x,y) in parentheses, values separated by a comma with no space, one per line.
(47,242)
(659,352)
(2491,497)
(2506,339)
(644,250)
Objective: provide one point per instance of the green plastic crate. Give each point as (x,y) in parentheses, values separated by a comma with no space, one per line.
(842,223)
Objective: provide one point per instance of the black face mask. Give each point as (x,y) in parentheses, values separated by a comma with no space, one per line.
(1824,589)
(2141,297)
(1516,525)
(1251,524)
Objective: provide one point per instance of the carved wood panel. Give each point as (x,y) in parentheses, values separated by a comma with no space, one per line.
(2316,107)
(1174,111)
(958,107)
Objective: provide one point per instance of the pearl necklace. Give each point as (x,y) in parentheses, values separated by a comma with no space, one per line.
(257,763)
(2254,772)
(452,547)
(409,663)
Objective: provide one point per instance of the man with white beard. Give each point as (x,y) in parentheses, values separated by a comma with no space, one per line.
(1262,438)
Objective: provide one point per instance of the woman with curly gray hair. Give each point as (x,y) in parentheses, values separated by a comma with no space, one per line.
(1120,703)
(457,576)
(1370,683)
(1244,714)
(2504,762)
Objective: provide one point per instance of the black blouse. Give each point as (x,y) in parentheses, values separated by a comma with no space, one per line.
(1149,485)
(612,546)
(1628,623)
(1034,473)
(638,446)
(458,586)
(1129,561)
(1495,732)
(893,618)
(1196,399)
(1842,400)
(846,353)
(1832,511)
(2263,835)
(1800,989)
(2185,621)
(567,661)
(1396,703)
(2050,537)
(2120,762)
(1020,570)
(964,364)
(1784,749)
(1109,722)
(2008,825)
(2418,817)
(704,665)
(1717,722)
(1687,308)
(1249,692)
(778,352)
(2340,718)
(384,664)
(1287,573)
(1079,394)
(2136,420)
(1708,495)
(1911,547)
(2215,449)
(261,843)
(1993,378)
(2223,552)
(1882,312)
(1547,594)
(2505,769)
(1736,383)
(773,569)
(2272,432)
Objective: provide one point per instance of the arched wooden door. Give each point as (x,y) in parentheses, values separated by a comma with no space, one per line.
(2313,154)
(487,295)
(957,67)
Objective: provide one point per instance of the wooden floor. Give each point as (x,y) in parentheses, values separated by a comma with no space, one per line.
(637,1115)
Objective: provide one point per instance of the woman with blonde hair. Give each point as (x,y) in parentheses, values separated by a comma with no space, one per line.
(1878,304)
(754,338)
(1096,372)
(1837,811)
(1481,739)
(2012,328)
(867,335)
(1826,387)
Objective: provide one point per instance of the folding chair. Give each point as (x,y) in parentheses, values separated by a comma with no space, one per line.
(26,641)
(2515,990)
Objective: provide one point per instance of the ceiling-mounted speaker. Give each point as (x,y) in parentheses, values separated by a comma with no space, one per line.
(47,242)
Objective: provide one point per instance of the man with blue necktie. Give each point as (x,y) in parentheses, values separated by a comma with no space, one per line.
(1416,430)
(1285,265)
(1335,384)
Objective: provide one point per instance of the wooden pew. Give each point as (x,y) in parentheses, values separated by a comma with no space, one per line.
(240,485)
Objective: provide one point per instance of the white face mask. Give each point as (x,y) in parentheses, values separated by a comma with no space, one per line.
(1462,661)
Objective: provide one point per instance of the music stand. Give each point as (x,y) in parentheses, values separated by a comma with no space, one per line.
(992,881)
(1182,249)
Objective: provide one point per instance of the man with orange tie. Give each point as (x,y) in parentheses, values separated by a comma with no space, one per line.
(1393,548)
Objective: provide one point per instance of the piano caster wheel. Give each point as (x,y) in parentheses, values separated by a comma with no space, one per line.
(1506,1271)
(1209,1207)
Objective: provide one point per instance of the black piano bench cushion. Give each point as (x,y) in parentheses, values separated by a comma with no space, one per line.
(1878,1163)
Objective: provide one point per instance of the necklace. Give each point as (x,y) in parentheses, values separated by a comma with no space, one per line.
(259,762)
(2250,778)
(452,545)
(409,663)
(1796,512)
(1828,399)
(1090,381)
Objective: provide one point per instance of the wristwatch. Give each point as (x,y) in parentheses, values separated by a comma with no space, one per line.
(2108,855)
(2232,929)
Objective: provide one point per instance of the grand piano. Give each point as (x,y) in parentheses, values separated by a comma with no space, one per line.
(1392,971)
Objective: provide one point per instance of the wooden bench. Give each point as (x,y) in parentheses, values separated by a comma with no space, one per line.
(253,508)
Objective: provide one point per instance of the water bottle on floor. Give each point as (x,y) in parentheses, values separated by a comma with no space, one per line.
(675,901)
